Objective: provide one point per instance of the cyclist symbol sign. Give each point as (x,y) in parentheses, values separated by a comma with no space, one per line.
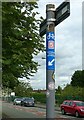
(50,56)
(50,35)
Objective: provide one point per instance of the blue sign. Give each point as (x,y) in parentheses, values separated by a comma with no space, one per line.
(50,51)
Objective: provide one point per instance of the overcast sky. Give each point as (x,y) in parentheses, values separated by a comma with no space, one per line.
(68,44)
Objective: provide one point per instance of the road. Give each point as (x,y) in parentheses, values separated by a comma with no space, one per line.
(14,111)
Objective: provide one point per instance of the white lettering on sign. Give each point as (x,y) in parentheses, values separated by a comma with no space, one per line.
(64,9)
(50,63)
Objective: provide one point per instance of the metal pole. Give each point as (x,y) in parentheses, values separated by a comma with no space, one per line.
(50,61)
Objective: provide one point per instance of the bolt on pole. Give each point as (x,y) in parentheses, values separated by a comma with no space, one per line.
(50,61)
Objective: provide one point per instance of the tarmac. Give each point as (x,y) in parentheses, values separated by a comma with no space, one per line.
(44,106)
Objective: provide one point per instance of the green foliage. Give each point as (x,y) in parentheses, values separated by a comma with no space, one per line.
(70,92)
(39,97)
(59,90)
(21,41)
(23,89)
(78,79)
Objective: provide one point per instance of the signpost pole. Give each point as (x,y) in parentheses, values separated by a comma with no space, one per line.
(50,61)
(53,18)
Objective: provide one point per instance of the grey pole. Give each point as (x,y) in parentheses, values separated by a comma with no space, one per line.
(53,18)
(50,61)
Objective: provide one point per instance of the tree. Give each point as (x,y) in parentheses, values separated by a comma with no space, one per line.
(72,92)
(20,41)
(78,78)
(59,90)
(23,89)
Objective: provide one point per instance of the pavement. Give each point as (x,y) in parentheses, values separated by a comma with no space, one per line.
(41,105)
(0,110)
(44,106)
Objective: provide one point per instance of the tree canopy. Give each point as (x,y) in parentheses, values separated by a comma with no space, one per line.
(59,90)
(78,78)
(23,89)
(20,41)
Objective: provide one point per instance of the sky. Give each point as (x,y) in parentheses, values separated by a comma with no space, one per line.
(68,46)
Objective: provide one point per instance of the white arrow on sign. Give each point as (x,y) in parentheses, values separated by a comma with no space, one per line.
(50,63)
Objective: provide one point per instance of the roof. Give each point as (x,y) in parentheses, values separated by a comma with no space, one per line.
(73,100)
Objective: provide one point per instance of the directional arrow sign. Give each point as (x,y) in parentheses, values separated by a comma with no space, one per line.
(50,63)
(61,13)
(43,26)
(50,48)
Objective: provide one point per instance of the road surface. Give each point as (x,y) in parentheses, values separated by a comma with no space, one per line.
(14,111)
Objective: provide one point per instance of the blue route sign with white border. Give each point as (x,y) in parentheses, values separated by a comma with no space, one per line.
(50,51)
